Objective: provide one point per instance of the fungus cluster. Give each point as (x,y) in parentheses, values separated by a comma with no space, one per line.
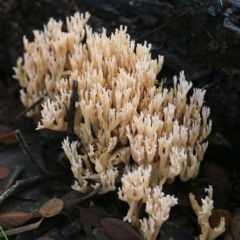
(203,213)
(127,127)
(47,59)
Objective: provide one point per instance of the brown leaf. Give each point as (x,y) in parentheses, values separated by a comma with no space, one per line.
(100,234)
(14,219)
(216,216)
(8,139)
(91,217)
(4,129)
(15,156)
(51,208)
(4,173)
(235,226)
(118,229)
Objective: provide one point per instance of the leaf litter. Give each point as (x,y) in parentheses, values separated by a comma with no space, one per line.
(79,219)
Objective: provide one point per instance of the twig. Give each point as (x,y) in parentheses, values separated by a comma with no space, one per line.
(22,229)
(30,108)
(77,201)
(27,151)
(162,26)
(72,111)
(17,172)
(19,184)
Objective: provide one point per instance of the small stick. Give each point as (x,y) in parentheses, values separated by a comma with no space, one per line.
(27,151)
(19,116)
(162,26)
(22,229)
(17,172)
(72,111)
(19,184)
(77,201)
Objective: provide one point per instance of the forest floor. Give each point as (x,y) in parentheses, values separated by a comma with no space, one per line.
(199,37)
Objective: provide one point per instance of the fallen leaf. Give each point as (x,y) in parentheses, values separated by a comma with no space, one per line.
(91,218)
(23,205)
(8,139)
(100,234)
(118,229)
(4,129)
(14,219)
(216,216)
(4,173)
(51,208)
